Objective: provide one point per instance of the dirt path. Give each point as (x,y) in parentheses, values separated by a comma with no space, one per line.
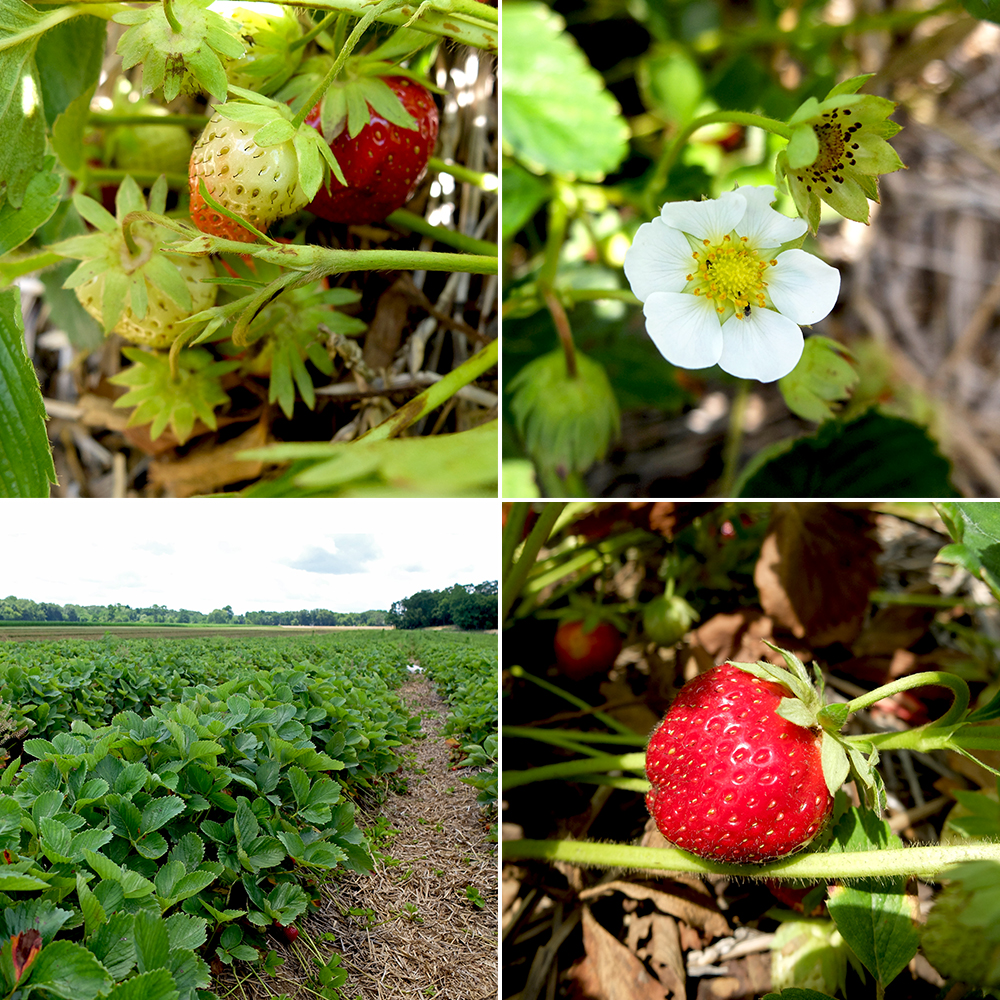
(410,930)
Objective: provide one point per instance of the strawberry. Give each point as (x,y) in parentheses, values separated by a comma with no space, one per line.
(732,780)
(584,648)
(382,162)
(257,183)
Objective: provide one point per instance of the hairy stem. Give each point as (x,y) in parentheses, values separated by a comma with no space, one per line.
(959,690)
(572,768)
(660,175)
(925,862)
(450,237)
(734,438)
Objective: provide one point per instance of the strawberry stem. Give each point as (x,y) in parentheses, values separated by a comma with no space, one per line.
(515,575)
(314,31)
(598,764)
(168,12)
(957,686)
(925,862)
(338,64)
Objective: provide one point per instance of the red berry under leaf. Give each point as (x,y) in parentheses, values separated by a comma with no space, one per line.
(382,163)
(732,780)
(581,652)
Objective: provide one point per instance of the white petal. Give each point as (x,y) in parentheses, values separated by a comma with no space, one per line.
(762,224)
(685,329)
(706,220)
(764,346)
(659,260)
(803,287)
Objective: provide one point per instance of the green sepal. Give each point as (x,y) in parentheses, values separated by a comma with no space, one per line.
(803,147)
(851,86)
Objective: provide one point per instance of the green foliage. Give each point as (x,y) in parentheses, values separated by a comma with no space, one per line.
(26,467)
(557,116)
(171,788)
(872,455)
(975,528)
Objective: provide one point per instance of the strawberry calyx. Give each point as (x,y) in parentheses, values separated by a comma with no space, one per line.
(805,706)
(187,60)
(590,613)
(162,398)
(275,127)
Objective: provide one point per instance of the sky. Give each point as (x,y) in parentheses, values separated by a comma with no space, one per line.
(254,555)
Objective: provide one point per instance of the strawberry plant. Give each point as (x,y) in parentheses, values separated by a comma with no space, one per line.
(264,319)
(758,771)
(141,846)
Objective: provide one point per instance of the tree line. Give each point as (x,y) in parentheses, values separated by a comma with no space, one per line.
(467,606)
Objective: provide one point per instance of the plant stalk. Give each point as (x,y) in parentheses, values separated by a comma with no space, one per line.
(923,862)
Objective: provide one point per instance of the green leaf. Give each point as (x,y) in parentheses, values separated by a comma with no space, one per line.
(987,10)
(264,852)
(795,993)
(977,527)
(186,932)
(156,985)
(152,947)
(26,467)
(22,118)
(671,83)
(93,913)
(557,115)
(160,811)
(192,883)
(523,195)
(40,202)
(69,60)
(13,881)
(68,131)
(133,884)
(871,455)
(132,778)
(68,970)
(878,926)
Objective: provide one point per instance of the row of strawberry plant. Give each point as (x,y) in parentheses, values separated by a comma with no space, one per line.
(137,848)
(466,674)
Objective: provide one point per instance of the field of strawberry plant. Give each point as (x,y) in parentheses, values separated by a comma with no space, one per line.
(248,247)
(171,807)
(769,767)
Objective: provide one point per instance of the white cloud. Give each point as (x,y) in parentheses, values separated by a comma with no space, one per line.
(345,555)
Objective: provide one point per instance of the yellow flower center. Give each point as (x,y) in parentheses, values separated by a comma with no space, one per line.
(730,275)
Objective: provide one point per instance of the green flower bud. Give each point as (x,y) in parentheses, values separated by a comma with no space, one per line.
(823,377)
(566,423)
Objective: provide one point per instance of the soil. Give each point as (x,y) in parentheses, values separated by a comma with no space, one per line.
(409,929)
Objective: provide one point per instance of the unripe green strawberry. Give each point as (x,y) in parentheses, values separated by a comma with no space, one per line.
(257,183)
(667,618)
(153,148)
(566,422)
(961,938)
(732,780)
(267,29)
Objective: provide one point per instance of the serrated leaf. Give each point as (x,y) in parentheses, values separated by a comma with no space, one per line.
(878,926)
(160,811)
(90,906)
(67,970)
(26,467)
(557,114)
(41,199)
(152,947)
(155,985)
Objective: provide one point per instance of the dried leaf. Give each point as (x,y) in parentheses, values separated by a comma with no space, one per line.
(210,468)
(681,902)
(816,570)
(614,973)
(24,948)
(385,332)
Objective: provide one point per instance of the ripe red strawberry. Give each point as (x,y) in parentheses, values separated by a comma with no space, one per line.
(732,780)
(382,163)
(582,650)
(257,183)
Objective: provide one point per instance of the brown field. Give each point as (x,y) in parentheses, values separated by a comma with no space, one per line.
(27,633)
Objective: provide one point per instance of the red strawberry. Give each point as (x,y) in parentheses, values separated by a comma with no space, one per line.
(257,183)
(382,163)
(582,650)
(732,780)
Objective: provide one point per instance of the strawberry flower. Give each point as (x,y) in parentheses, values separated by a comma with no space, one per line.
(725,282)
(836,152)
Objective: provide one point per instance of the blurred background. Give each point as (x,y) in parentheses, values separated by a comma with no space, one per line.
(920,283)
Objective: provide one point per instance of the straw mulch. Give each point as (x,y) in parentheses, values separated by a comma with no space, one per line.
(407,930)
